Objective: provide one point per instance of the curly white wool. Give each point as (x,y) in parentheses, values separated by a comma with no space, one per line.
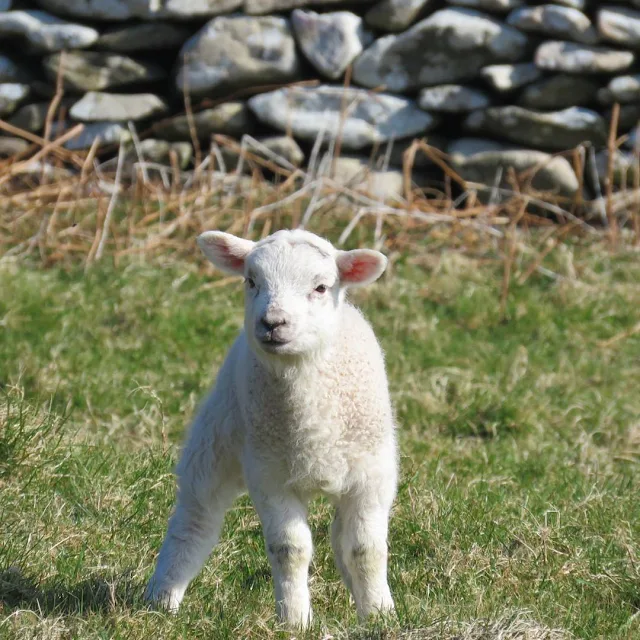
(300,407)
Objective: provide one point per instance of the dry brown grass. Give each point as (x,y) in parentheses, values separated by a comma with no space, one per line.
(66,207)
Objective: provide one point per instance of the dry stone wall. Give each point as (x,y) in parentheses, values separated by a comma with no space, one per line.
(497,84)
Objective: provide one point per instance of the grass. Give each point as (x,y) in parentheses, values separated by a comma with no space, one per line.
(518,514)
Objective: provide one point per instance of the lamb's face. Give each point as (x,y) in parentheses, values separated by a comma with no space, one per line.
(292,297)
(294,286)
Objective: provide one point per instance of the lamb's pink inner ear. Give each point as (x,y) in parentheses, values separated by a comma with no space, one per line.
(225,251)
(361,266)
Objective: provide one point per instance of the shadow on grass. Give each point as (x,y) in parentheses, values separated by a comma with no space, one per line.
(97,594)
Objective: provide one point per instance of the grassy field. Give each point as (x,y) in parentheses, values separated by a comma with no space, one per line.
(518,515)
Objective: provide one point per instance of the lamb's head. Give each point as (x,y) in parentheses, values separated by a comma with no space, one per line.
(294,286)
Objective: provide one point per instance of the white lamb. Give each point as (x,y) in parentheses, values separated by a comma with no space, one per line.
(301,407)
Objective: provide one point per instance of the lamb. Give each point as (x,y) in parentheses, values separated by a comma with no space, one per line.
(301,407)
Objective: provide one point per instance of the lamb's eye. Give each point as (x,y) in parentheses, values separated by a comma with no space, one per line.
(250,283)
(321,288)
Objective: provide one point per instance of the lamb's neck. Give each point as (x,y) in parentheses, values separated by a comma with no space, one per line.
(288,371)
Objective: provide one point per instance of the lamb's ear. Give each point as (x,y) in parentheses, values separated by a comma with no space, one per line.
(360,266)
(226,251)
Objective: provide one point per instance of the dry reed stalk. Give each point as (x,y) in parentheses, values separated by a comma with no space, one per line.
(53,107)
(551,244)
(97,235)
(546,206)
(112,203)
(249,205)
(578,161)
(620,336)
(408,161)
(509,257)
(438,158)
(636,188)
(288,130)
(343,116)
(54,216)
(277,164)
(21,166)
(57,98)
(63,154)
(88,161)
(611,151)
(137,146)
(175,171)
(193,132)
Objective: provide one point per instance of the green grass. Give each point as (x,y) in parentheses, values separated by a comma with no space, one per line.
(518,511)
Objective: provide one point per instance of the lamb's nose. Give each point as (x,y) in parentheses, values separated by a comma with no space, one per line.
(273,322)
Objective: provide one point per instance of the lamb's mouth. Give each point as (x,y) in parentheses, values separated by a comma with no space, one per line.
(269,343)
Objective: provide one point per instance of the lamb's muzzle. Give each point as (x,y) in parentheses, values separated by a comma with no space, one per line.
(300,407)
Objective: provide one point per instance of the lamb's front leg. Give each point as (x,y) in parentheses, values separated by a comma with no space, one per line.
(363,545)
(289,548)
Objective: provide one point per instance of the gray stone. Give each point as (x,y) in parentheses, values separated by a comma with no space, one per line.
(620,25)
(362,118)
(452,98)
(633,141)
(452,45)
(231,119)
(38,168)
(330,41)
(159,152)
(624,167)
(495,6)
(262,7)
(238,52)
(628,116)
(32,117)
(621,89)
(283,146)
(150,36)
(559,92)
(561,130)
(421,160)
(118,10)
(108,132)
(45,32)
(554,22)
(395,15)
(10,146)
(509,77)
(356,173)
(581,58)
(479,160)
(97,71)
(11,95)
(10,71)
(575,4)
(116,107)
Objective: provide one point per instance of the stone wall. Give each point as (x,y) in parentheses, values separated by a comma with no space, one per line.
(494,83)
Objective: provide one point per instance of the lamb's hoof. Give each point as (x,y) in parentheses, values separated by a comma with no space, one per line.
(300,621)
(386,609)
(162,599)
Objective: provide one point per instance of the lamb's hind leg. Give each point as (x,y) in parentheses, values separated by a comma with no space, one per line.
(208,485)
(336,544)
